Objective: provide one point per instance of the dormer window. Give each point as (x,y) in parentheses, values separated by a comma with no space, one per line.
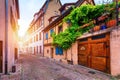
(51,31)
(51,19)
(66,7)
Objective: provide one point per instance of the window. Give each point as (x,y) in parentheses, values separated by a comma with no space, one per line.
(36,37)
(42,21)
(60,29)
(12,20)
(46,36)
(98,37)
(35,26)
(40,49)
(84,39)
(37,49)
(39,36)
(59,51)
(51,31)
(47,51)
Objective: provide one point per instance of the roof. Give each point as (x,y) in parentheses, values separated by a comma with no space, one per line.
(42,10)
(66,4)
(52,17)
(78,3)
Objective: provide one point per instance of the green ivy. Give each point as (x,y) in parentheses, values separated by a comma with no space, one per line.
(78,17)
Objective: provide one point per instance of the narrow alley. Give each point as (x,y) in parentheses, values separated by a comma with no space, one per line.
(32,67)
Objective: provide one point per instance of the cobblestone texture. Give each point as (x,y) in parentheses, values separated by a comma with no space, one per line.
(31,67)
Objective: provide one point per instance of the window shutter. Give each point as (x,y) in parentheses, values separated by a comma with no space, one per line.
(57,50)
(60,51)
(51,31)
(46,35)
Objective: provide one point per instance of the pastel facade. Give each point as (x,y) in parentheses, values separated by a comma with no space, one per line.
(57,26)
(34,41)
(9,16)
(114,51)
(98,50)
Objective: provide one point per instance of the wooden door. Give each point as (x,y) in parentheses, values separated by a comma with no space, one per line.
(34,50)
(99,56)
(51,52)
(40,49)
(1,56)
(94,52)
(16,53)
(83,54)
(37,49)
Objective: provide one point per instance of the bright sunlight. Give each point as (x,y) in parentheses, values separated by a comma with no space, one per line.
(21,32)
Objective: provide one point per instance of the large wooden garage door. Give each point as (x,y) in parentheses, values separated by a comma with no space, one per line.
(1,56)
(94,52)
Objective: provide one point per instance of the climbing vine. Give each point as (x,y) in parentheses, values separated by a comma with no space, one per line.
(79,17)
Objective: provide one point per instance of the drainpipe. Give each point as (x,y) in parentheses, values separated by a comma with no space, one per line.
(6,36)
(43,43)
(117,12)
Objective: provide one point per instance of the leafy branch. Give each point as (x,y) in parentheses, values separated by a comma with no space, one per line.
(82,20)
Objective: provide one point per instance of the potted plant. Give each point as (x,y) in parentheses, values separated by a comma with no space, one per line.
(96,28)
(103,26)
(111,23)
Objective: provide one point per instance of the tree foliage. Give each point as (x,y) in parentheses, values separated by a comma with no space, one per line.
(78,17)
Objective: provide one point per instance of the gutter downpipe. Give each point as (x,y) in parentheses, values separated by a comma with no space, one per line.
(117,12)
(6,37)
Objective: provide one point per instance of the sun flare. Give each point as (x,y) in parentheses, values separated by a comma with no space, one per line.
(21,32)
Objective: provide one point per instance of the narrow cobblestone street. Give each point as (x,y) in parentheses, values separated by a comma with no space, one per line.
(31,67)
(34,68)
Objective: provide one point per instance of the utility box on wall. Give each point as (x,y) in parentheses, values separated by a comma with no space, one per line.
(14,69)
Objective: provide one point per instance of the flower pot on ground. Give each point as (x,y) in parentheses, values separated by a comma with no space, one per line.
(111,23)
(96,28)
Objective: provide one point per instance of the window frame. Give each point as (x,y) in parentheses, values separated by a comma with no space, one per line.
(46,36)
(58,51)
(51,31)
(60,29)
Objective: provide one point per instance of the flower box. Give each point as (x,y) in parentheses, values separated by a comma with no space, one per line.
(111,23)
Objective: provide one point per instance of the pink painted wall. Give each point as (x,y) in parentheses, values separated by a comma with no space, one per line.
(115,52)
(12,36)
(2,26)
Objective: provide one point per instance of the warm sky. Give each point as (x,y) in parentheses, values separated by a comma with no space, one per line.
(29,7)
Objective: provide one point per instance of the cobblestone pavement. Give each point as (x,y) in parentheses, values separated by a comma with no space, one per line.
(31,67)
